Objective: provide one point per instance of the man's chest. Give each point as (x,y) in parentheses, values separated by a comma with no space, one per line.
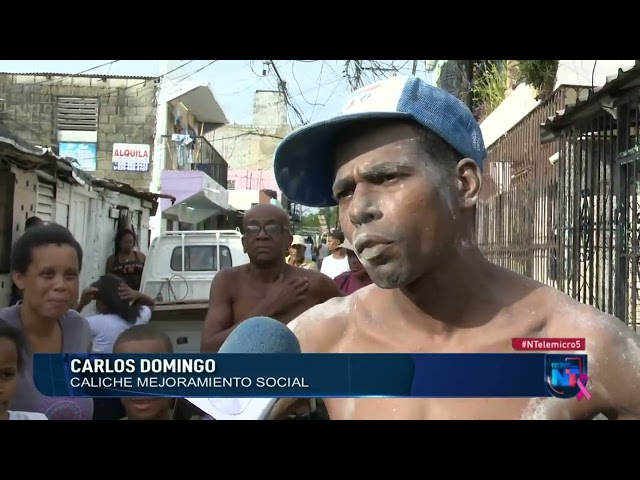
(443,409)
(248,299)
(359,340)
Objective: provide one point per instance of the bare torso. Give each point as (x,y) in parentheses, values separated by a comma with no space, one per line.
(248,293)
(373,320)
(238,294)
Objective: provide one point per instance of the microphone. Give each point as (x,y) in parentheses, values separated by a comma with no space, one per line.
(254,335)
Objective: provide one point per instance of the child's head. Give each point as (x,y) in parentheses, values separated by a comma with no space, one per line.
(12,347)
(145,339)
(108,300)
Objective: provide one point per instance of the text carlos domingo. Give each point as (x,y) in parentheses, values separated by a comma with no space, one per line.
(174,373)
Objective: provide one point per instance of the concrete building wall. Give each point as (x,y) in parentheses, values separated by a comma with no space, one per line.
(251,147)
(269,109)
(126,113)
(87,213)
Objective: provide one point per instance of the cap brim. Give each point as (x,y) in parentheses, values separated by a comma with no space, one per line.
(303,162)
(347,246)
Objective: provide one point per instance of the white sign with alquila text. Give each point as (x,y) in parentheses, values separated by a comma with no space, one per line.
(131,157)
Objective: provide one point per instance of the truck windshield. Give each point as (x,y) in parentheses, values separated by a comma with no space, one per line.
(200,258)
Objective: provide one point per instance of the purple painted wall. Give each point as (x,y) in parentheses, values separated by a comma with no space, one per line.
(179,184)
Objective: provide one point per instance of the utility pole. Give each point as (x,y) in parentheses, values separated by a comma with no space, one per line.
(415,67)
(167,78)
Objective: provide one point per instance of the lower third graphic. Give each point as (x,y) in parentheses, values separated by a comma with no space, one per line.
(566,376)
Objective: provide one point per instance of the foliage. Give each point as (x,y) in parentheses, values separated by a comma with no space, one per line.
(492,78)
(540,74)
(310,218)
(489,86)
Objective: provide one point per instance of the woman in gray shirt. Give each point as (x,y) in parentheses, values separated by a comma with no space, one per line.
(45,265)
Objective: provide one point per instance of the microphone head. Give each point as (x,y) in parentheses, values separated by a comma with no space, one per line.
(261,335)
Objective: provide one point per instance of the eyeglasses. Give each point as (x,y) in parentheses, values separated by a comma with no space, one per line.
(270,230)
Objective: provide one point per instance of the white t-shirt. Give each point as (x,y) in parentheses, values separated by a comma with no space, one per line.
(332,267)
(26,415)
(105,329)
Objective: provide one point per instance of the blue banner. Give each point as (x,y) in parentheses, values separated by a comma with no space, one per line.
(312,375)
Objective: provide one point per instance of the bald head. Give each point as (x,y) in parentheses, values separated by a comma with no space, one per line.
(264,212)
(267,234)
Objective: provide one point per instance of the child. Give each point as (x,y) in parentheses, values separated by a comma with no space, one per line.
(145,339)
(119,308)
(12,347)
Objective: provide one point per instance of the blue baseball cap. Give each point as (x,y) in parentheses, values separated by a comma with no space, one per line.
(303,162)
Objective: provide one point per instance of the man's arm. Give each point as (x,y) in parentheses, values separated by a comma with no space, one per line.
(219,322)
(618,361)
(318,332)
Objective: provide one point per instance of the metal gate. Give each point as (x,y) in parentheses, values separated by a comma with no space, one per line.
(628,219)
(599,219)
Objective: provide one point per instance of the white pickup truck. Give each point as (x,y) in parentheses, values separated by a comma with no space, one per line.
(178,273)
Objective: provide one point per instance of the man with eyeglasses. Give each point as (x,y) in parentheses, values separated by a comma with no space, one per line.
(267,285)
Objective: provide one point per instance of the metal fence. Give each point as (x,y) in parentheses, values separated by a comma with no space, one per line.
(517,207)
(567,213)
(198,155)
(601,177)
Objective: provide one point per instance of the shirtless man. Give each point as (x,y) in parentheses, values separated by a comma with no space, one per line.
(267,286)
(406,182)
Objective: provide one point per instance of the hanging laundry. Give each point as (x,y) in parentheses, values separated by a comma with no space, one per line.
(183,145)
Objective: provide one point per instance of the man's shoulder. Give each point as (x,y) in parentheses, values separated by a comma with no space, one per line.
(229,273)
(569,318)
(319,328)
(309,273)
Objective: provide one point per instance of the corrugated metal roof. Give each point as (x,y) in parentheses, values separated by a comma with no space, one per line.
(25,155)
(615,85)
(87,75)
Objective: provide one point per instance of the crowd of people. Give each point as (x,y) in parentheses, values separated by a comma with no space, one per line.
(341,264)
(403,161)
(46,314)
(46,262)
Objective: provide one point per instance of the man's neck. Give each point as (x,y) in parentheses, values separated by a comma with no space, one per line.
(338,254)
(35,325)
(267,273)
(447,296)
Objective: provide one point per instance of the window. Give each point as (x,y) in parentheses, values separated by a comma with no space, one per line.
(200,258)
(77,113)
(231,184)
(77,130)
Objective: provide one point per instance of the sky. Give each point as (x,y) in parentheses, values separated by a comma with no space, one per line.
(317,87)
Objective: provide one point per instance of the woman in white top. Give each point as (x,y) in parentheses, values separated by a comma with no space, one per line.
(119,308)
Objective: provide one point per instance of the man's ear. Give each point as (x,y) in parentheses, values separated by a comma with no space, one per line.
(18,279)
(469,182)
(244,247)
